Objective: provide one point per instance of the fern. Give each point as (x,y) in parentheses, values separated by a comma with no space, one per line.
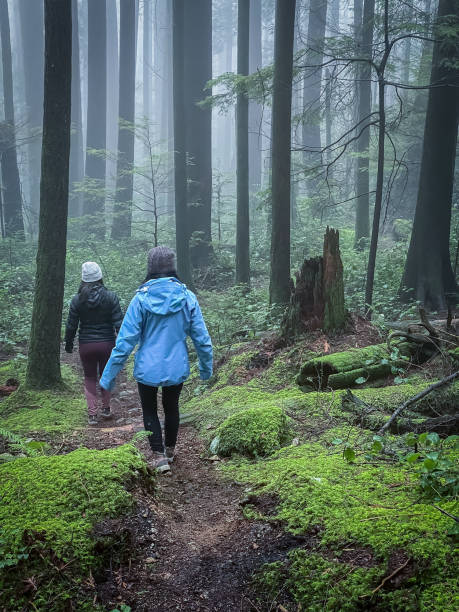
(17,443)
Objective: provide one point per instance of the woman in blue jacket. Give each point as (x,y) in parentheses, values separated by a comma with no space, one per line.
(161,315)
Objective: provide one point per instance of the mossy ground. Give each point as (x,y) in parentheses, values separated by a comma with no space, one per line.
(49,506)
(254,432)
(56,411)
(371,504)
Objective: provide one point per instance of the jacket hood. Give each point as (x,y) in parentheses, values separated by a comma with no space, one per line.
(94,297)
(163,296)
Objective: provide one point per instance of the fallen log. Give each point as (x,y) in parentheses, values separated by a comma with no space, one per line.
(445,425)
(374,417)
(342,370)
(417,397)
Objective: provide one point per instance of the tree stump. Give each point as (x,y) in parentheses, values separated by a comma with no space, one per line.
(317,299)
(333,284)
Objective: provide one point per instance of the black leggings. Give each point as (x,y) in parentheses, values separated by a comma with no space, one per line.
(148,399)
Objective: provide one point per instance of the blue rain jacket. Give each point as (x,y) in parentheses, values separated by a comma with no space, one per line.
(160,316)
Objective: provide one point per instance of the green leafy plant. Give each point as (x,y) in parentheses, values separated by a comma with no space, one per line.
(435,462)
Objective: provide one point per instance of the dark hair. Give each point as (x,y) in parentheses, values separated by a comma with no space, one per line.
(85,289)
(155,275)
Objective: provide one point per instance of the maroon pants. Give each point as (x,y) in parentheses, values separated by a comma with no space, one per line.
(94,356)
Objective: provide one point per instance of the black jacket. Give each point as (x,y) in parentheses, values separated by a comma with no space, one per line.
(99,317)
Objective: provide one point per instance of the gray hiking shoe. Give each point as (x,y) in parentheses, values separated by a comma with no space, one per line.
(160,462)
(170,453)
(106,412)
(92,419)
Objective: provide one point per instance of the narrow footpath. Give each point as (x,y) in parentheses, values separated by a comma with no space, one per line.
(189,546)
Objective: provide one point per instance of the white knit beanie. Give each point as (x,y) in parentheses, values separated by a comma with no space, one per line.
(90,272)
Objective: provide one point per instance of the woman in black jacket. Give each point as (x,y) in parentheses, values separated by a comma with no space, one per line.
(97,311)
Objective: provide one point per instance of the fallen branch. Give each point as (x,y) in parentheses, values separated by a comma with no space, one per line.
(416,398)
(394,573)
(455,518)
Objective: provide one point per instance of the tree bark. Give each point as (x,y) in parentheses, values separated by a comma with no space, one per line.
(428,274)
(280,282)
(333,284)
(12,199)
(255,109)
(31,16)
(242,143)
(197,71)
(362,213)
(317,300)
(147,58)
(112,97)
(96,132)
(43,366)
(380,173)
(122,209)
(181,210)
(312,83)
(76,143)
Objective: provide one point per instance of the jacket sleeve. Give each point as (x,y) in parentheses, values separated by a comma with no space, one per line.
(128,337)
(117,315)
(72,321)
(201,341)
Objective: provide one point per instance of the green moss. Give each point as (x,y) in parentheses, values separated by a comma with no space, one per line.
(56,411)
(51,504)
(319,584)
(254,432)
(350,502)
(376,506)
(234,369)
(443,595)
(317,373)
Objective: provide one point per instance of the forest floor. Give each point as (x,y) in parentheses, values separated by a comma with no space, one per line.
(297,527)
(190,548)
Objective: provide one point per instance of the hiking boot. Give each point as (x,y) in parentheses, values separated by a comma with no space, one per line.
(106,412)
(92,419)
(170,453)
(160,462)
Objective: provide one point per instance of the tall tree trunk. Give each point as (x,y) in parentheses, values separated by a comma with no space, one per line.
(31,15)
(122,209)
(112,96)
(43,366)
(313,81)
(76,144)
(181,210)
(380,172)
(198,70)
(12,199)
(242,143)
(94,202)
(280,281)
(147,58)
(255,109)
(405,189)
(362,215)
(428,274)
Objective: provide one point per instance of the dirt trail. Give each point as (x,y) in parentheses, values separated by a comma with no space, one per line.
(189,546)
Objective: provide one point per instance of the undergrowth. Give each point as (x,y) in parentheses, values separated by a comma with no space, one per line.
(53,411)
(45,537)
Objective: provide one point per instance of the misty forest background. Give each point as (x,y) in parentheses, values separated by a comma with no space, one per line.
(237,137)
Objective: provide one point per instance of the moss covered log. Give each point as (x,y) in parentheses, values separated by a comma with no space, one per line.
(341,370)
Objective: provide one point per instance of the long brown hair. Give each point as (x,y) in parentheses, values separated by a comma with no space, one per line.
(85,289)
